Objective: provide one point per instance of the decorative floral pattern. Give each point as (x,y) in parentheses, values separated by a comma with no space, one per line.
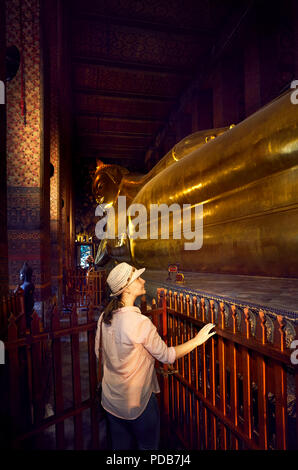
(24,148)
(23,141)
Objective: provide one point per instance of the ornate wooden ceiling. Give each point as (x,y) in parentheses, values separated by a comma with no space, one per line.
(131,59)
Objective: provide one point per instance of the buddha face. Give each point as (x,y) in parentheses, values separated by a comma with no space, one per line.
(105,189)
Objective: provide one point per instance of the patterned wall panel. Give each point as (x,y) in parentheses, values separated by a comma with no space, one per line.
(23,138)
(54,155)
(3,198)
(55,225)
(23,208)
(23,246)
(26,240)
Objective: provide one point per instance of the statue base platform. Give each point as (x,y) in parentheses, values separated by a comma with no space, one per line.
(277,296)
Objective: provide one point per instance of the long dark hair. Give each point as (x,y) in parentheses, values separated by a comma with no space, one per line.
(112,304)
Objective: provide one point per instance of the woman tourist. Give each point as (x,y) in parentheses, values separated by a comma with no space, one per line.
(130,345)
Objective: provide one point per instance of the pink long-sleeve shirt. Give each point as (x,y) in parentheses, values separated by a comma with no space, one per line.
(130,346)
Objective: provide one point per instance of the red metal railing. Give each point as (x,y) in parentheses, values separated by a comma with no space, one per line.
(231,392)
(82,287)
(31,356)
(12,304)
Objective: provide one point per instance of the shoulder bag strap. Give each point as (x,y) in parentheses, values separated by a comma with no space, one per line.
(101,347)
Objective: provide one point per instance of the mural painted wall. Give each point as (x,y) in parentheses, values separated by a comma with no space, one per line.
(27,237)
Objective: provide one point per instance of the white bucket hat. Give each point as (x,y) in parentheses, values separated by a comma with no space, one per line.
(121,277)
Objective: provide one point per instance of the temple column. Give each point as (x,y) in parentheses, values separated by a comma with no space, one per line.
(50,28)
(295,27)
(228,94)
(252,77)
(268,69)
(3,215)
(66,168)
(28,187)
(202,110)
(184,121)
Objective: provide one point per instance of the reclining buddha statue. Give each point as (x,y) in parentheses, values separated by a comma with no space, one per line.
(243,178)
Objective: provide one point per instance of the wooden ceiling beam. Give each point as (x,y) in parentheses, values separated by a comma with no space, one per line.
(92,149)
(131,146)
(115,134)
(146,25)
(120,94)
(170,71)
(113,117)
(132,152)
(153,68)
(100,155)
(92,152)
(125,98)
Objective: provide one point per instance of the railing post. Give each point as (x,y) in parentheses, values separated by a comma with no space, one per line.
(92,379)
(246,366)
(194,307)
(181,303)
(261,333)
(76,374)
(165,379)
(170,299)
(14,374)
(203,310)
(187,305)
(38,405)
(280,388)
(234,374)
(175,301)
(143,306)
(58,381)
(204,375)
(222,373)
(154,314)
(158,297)
(261,337)
(189,372)
(213,380)
(3,317)
(21,310)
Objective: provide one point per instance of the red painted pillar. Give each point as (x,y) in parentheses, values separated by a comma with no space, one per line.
(27,152)
(252,74)
(3,216)
(228,90)
(203,110)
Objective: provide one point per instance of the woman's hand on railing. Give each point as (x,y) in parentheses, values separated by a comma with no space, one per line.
(199,339)
(204,334)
